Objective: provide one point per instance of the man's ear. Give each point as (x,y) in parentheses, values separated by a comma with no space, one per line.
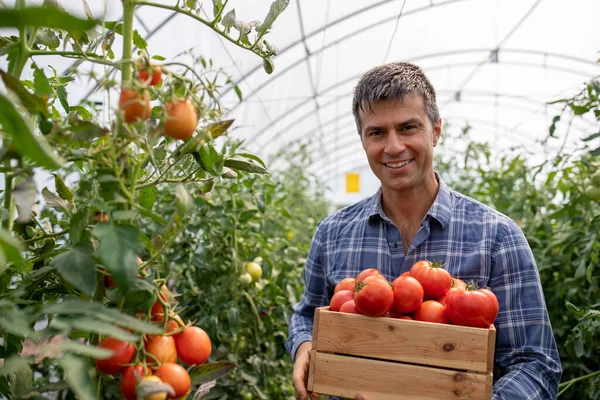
(437,132)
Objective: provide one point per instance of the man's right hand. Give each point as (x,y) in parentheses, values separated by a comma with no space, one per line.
(300,372)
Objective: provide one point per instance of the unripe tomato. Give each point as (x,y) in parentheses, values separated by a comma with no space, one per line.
(129,379)
(123,353)
(155,396)
(595,178)
(592,192)
(162,348)
(176,376)
(181,120)
(254,270)
(144,74)
(193,345)
(135,106)
(245,278)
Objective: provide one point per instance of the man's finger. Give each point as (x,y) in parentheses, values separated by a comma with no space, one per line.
(299,385)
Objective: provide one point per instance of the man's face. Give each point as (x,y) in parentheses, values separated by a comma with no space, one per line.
(398,139)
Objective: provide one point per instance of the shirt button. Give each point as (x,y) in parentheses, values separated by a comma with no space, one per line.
(396,245)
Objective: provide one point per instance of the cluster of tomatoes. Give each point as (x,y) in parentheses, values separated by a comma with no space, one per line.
(158,359)
(592,186)
(181,117)
(426,292)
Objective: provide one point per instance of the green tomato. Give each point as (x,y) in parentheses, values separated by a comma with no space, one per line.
(596,178)
(254,270)
(248,396)
(593,193)
(245,278)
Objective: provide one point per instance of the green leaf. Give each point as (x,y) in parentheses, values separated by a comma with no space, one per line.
(15,321)
(210,160)
(54,201)
(40,82)
(209,372)
(139,41)
(88,324)
(268,65)
(33,103)
(62,189)
(82,111)
(76,372)
(61,92)
(98,311)
(48,38)
(595,152)
(118,249)
(158,58)
(11,249)
(579,110)
(238,92)
(85,350)
(147,213)
(219,128)
(591,137)
(78,225)
(252,157)
(148,197)
(277,7)
(13,364)
(21,134)
(243,165)
(76,266)
(48,17)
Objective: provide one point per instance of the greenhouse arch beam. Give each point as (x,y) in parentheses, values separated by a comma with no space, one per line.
(336,22)
(354,77)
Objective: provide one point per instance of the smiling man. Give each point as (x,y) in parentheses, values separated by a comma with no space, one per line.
(416,216)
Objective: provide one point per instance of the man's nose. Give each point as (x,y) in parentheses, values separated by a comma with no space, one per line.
(394,144)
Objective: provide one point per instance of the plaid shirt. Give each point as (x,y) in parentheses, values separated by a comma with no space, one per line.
(476,243)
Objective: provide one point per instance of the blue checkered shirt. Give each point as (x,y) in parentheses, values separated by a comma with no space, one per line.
(476,243)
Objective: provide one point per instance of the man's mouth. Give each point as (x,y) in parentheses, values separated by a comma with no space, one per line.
(398,164)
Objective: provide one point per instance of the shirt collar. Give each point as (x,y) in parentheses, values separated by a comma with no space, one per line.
(440,210)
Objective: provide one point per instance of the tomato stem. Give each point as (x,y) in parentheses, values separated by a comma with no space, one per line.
(128,12)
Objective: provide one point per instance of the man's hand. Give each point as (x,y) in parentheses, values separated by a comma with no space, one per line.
(361,396)
(300,372)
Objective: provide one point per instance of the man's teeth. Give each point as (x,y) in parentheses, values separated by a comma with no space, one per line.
(398,165)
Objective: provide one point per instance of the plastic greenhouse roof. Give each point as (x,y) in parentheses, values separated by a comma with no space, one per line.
(495,65)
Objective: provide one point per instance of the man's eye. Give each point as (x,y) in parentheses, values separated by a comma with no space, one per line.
(375,133)
(409,127)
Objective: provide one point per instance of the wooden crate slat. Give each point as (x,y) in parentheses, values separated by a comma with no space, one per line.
(345,376)
(416,342)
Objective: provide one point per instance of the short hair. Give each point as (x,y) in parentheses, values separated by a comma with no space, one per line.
(393,82)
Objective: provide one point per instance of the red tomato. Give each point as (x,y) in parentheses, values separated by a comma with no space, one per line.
(135,106)
(175,322)
(144,74)
(123,354)
(181,120)
(340,298)
(350,307)
(407,273)
(444,298)
(130,378)
(162,348)
(472,307)
(346,284)
(374,296)
(157,308)
(193,345)
(408,294)
(367,272)
(432,311)
(435,280)
(176,376)
(459,283)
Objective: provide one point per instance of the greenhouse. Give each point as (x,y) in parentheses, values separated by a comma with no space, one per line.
(226,199)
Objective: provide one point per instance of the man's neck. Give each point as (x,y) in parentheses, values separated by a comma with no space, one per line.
(411,205)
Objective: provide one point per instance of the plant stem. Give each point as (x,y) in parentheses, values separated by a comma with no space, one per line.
(199,19)
(91,57)
(128,11)
(567,384)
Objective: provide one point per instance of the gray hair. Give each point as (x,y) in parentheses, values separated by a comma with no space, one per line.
(393,82)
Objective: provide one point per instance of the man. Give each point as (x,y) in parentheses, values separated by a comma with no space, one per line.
(415,216)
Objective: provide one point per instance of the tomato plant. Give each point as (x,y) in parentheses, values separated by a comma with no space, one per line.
(472,307)
(435,280)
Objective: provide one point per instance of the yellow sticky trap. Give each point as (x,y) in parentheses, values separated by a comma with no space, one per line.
(352,182)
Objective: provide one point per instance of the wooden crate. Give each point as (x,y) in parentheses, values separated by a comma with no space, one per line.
(387,358)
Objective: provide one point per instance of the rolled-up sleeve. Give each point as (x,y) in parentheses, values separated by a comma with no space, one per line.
(527,364)
(315,294)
